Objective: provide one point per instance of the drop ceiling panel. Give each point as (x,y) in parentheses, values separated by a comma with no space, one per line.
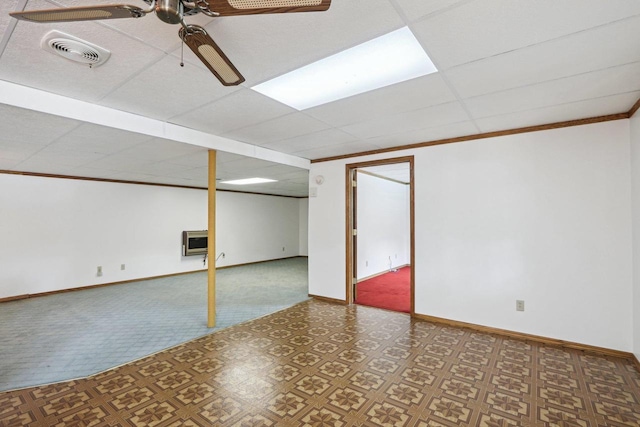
(243,168)
(611,81)
(295,175)
(196,160)
(30,127)
(8,163)
(12,153)
(522,63)
(412,120)
(425,135)
(199,176)
(284,127)
(238,109)
(279,171)
(149,29)
(558,113)
(315,140)
(265,46)
(164,169)
(337,150)
(118,162)
(98,139)
(416,9)
(24,62)
(166,89)
(6,6)
(54,162)
(223,157)
(159,149)
(575,54)
(410,95)
(484,28)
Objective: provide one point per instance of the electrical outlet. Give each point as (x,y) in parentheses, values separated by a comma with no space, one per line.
(366,263)
(519,305)
(283,249)
(223,255)
(396,256)
(122,266)
(99,272)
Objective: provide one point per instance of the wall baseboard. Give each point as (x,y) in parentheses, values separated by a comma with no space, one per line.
(381,273)
(529,337)
(327,299)
(14,298)
(260,262)
(82,288)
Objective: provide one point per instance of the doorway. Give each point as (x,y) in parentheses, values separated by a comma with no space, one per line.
(380,234)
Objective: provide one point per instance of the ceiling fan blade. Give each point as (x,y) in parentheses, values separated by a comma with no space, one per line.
(84,13)
(211,55)
(251,7)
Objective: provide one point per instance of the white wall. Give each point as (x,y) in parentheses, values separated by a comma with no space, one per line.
(303,232)
(635,199)
(55,232)
(543,217)
(252,227)
(383,225)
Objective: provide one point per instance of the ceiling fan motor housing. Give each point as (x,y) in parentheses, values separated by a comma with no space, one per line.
(170,11)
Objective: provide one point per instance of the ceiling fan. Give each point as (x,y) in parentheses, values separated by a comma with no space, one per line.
(173,12)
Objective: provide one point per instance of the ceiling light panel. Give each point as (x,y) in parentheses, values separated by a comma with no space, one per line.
(386,60)
(248,181)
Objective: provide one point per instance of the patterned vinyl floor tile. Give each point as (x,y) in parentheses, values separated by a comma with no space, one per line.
(319,364)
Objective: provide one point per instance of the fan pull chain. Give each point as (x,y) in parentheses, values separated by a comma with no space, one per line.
(182,52)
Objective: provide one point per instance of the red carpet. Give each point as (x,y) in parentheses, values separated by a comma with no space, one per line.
(389,290)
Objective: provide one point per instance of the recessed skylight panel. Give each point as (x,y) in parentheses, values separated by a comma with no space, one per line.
(386,60)
(248,181)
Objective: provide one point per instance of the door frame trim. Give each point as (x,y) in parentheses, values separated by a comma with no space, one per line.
(350,255)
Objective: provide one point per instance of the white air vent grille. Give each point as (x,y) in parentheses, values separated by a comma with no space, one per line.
(75,49)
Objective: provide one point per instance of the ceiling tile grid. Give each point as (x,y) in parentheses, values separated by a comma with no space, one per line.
(578,53)
(266,46)
(5,7)
(451,112)
(319,139)
(502,65)
(25,62)
(407,96)
(560,113)
(597,84)
(283,127)
(165,89)
(484,28)
(89,137)
(236,110)
(424,135)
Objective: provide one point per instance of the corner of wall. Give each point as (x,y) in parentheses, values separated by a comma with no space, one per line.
(634,138)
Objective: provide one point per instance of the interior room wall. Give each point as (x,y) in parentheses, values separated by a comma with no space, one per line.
(635,199)
(254,227)
(54,233)
(383,225)
(543,217)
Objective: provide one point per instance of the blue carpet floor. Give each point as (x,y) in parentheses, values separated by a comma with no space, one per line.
(75,334)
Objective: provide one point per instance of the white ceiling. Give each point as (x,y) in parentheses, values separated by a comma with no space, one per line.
(502,64)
